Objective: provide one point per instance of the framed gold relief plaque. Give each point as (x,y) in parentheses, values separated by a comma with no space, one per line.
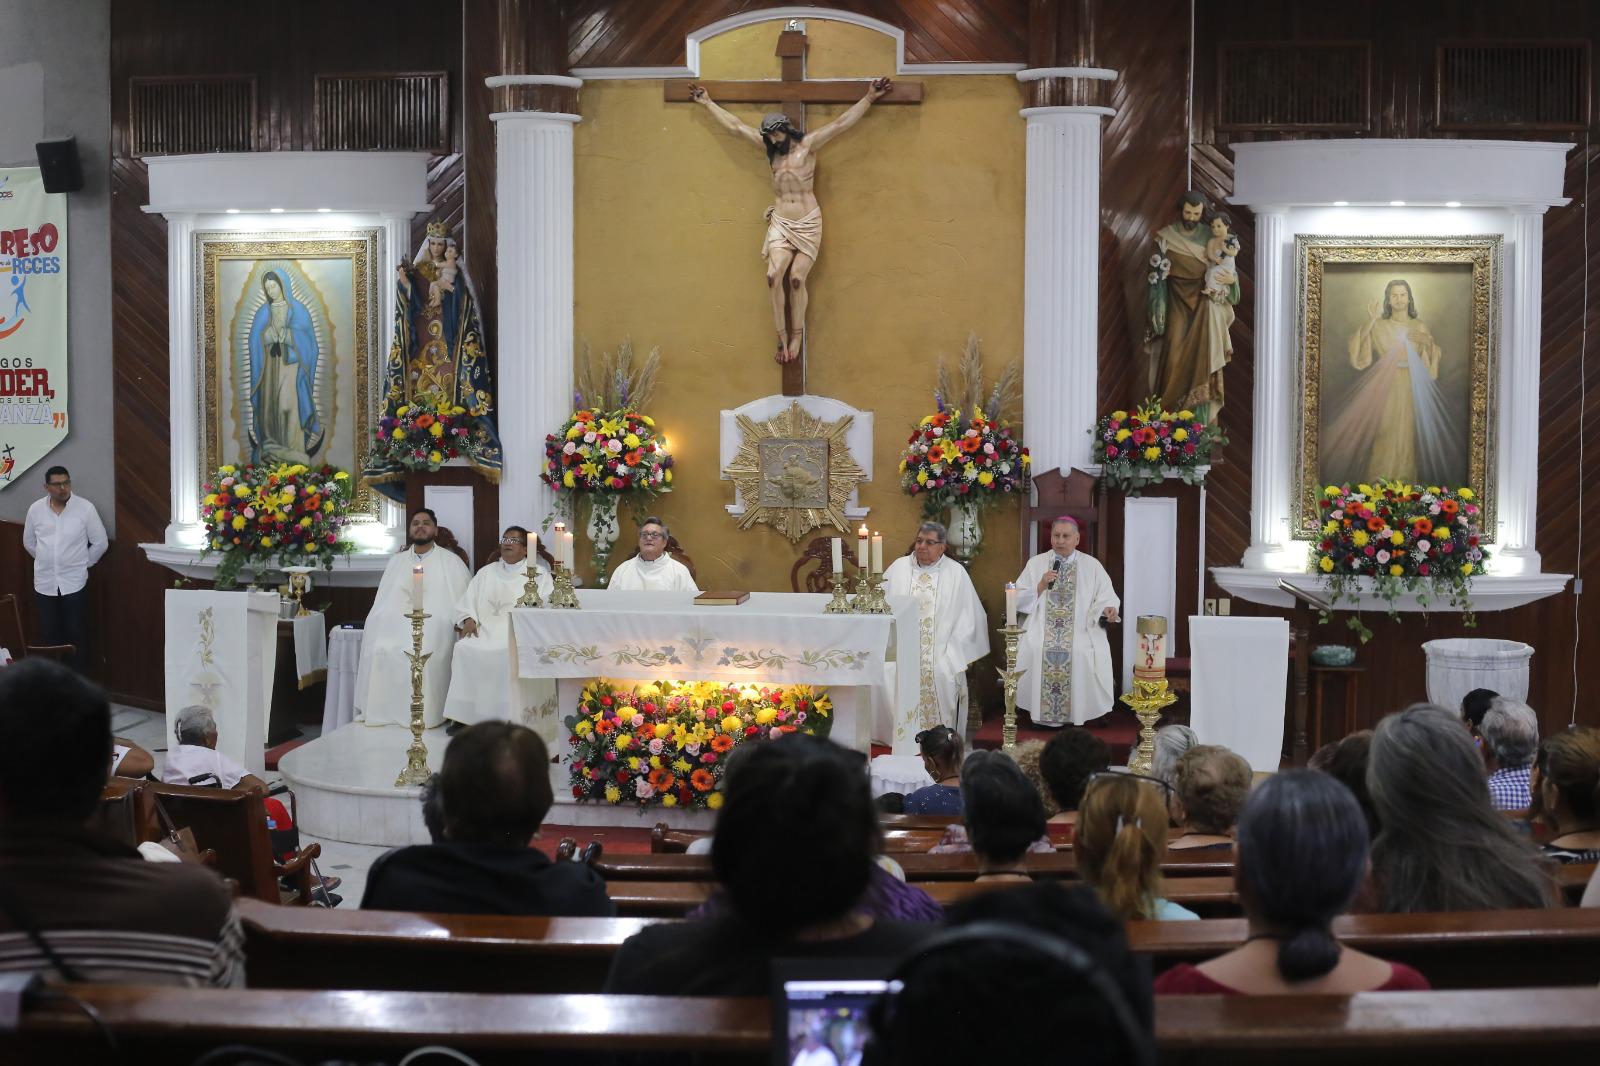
(795,470)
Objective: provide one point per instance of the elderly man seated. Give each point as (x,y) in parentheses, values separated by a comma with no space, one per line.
(1510,731)
(80,906)
(483,681)
(195,760)
(653,570)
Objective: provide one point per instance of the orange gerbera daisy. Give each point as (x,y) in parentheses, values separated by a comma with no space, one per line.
(971,444)
(424,421)
(1374,524)
(663,780)
(1449,507)
(936,454)
(1421,526)
(721,742)
(702,780)
(606,725)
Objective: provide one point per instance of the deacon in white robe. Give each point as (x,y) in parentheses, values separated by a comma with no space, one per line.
(952,632)
(483,680)
(383,681)
(1064,649)
(652,570)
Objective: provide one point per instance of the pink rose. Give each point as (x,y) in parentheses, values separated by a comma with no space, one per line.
(709,758)
(636,721)
(656,746)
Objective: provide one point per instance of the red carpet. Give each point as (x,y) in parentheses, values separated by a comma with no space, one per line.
(1119,729)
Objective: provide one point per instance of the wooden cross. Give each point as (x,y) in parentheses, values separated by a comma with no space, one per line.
(792,93)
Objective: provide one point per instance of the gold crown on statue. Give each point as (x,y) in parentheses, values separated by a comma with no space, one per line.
(438,229)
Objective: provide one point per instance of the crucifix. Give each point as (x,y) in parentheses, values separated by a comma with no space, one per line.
(794,222)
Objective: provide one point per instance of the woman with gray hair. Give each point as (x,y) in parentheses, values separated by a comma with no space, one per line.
(1440,846)
(1510,732)
(1171,742)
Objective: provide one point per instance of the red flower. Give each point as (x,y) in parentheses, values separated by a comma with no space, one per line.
(727,705)
(749,730)
(1111,451)
(1422,568)
(622,777)
(605,701)
(577,793)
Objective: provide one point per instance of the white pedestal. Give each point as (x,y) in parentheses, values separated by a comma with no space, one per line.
(221,650)
(1236,696)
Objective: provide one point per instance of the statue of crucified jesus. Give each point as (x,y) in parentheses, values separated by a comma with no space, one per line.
(794,221)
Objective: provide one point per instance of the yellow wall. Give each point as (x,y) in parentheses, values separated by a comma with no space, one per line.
(923,243)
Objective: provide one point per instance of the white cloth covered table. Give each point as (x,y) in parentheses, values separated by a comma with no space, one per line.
(1237,684)
(773,638)
(344,661)
(221,649)
(310,648)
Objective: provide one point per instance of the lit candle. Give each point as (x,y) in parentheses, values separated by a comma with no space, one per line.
(416,588)
(838,555)
(861,548)
(566,551)
(1011,603)
(877,553)
(533,549)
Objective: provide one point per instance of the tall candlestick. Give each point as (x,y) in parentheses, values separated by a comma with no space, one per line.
(416,588)
(838,555)
(877,553)
(1011,603)
(861,548)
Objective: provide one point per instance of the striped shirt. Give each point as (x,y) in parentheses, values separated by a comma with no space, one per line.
(111,916)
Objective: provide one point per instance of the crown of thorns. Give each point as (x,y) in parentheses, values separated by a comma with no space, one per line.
(777,120)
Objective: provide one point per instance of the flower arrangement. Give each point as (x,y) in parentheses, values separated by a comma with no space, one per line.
(284,514)
(967,453)
(1406,538)
(423,435)
(666,743)
(1135,448)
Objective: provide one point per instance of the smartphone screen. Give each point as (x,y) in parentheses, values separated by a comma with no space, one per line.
(823,1022)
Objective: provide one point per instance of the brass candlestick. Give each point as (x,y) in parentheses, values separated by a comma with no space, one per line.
(530,591)
(1150,694)
(875,602)
(1009,677)
(563,595)
(416,772)
(840,604)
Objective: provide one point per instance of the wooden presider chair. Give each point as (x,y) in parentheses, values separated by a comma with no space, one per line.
(1076,494)
(22,649)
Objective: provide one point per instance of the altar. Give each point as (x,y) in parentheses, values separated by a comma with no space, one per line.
(771,638)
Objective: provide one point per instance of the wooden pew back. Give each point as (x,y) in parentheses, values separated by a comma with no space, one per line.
(918,867)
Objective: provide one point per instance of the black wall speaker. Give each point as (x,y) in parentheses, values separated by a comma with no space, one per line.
(59,165)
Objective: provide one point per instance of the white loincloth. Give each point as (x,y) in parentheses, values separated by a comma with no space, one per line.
(802,236)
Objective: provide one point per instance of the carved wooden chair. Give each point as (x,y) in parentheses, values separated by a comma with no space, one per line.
(1076,494)
(447,540)
(544,556)
(819,556)
(20,646)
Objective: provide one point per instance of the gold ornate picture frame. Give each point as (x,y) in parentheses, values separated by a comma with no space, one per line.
(1399,351)
(331,282)
(794,471)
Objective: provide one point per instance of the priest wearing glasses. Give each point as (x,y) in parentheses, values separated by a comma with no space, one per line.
(653,570)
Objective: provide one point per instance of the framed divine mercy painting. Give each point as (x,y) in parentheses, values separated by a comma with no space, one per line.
(1399,343)
(291,356)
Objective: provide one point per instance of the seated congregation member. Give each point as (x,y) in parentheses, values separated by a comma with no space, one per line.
(488,798)
(1054,948)
(1209,787)
(1070,758)
(1003,817)
(195,760)
(1302,856)
(383,679)
(483,682)
(1510,732)
(76,905)
(1026,755)
(941,749)
(1121,840)
(1345,761)
(1171,742)
(652,570)
(1474,705)
(1440,846)
(1566,785)
(793,852)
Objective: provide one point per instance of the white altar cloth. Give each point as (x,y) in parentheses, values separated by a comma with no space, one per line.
(221,648)
(1239,676)
(772,638)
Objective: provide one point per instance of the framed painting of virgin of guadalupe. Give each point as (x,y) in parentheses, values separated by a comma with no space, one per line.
(1398,341)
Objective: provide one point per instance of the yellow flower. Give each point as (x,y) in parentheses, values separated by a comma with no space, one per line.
(230,469)
(238,521)
(647,420)
(1397,569)
(633,762)
(266,542)
(310,547)
(609,427)
(1124,434)
(1332,490)
(1180,434)
(1364,489)
(568,480)
(669,473)
(613,794)
(623,740)
(1360,538)
(398,434)
(1152,453)
(681,765)
(655,762)
(631,440)
(211,498)
(215,543)
(1186,414)
(765,715)
(436,430)
(576,431)
(986,478)
(328,507)
(1465,494)
(732,724)
(1331,527)
(1397,537)
(1118,416)
(341,476)
(583,728)
(714,801)
(458,410)
(305,523)
(589,469)
(242,491)
(922,477)
(1466,568)
(401,410)
(1326,564)
(435,457)
(669,800)
(1027,460)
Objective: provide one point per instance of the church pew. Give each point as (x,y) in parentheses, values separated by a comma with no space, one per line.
(164,1025)
(304,947)
(896,841)
(918,867)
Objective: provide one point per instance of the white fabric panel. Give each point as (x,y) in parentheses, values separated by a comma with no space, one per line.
(453,505)
(1149,570)
(310,645)
(344,660)
(220,653)
(1237,688)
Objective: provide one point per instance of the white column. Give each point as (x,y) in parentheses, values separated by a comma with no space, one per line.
(1518,432)
(1061,290)
(533,216)
(1273,446)
(184,529)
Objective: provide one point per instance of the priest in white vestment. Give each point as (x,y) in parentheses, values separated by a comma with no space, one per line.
(1064,649)
(383,681)
(952,631)
(653,570)
(483,680)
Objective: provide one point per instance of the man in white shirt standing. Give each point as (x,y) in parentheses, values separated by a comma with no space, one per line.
(65,536)
(653,570)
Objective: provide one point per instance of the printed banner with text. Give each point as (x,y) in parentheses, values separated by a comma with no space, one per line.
(33,321)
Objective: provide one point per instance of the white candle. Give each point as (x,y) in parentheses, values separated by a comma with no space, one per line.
(1011,604)
(416,588)
(533,549)
(838,555)
(861,548)
(566,551)
(877,553)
